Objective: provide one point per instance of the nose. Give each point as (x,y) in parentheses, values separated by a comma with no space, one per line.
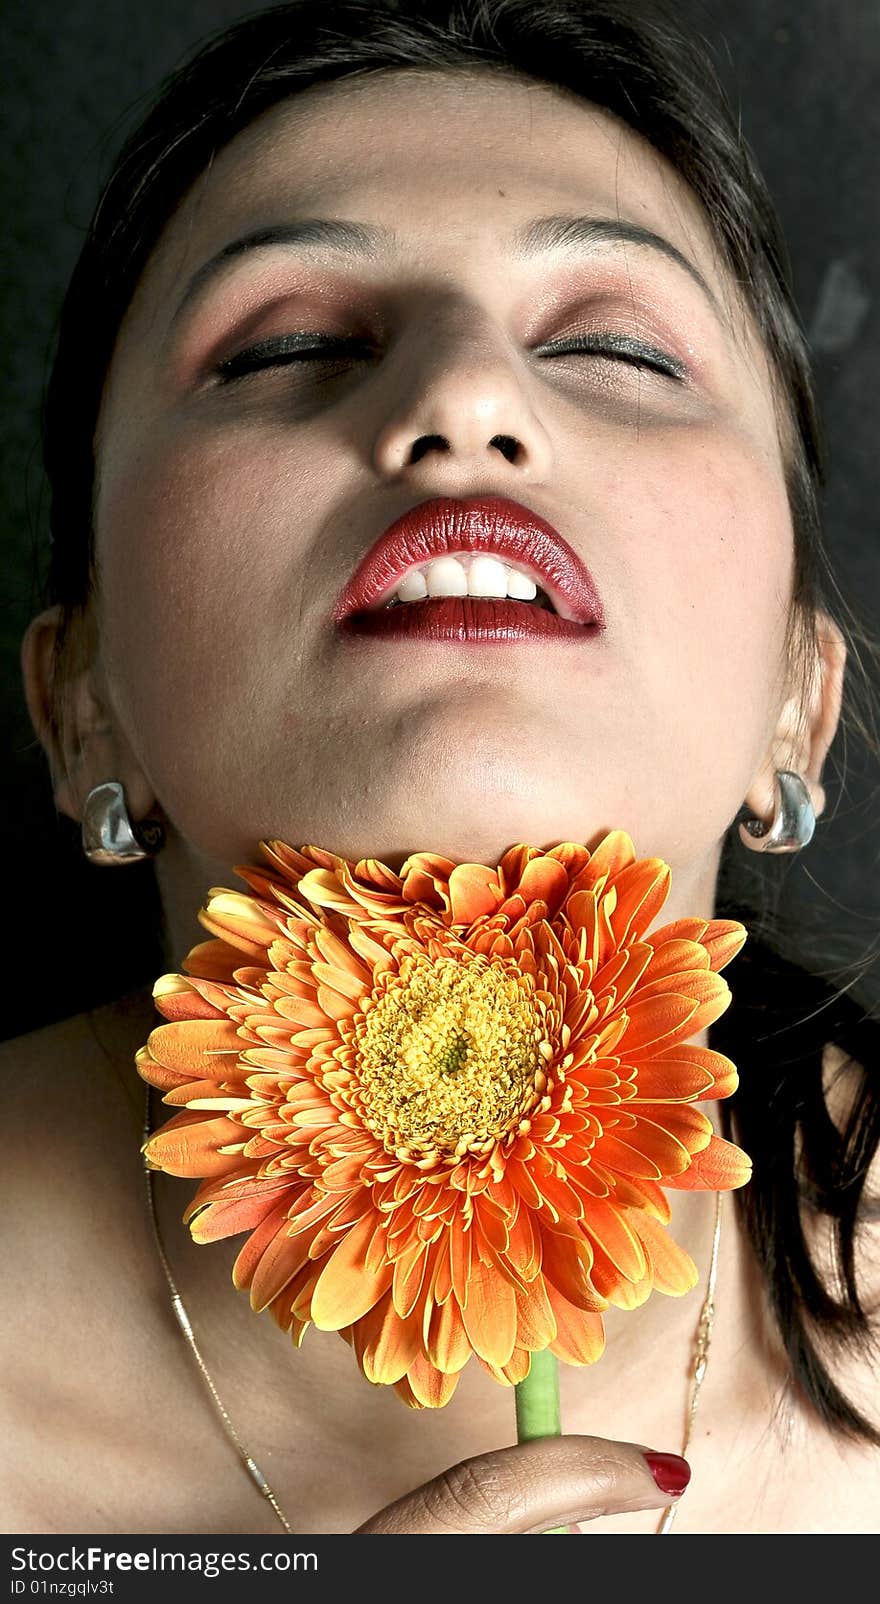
(458,414)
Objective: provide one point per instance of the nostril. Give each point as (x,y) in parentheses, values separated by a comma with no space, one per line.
(428,442)
(507,445)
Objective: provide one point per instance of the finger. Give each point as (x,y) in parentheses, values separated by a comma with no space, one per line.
(552,1481)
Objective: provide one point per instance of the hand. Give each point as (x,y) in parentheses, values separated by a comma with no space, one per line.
(552,1481)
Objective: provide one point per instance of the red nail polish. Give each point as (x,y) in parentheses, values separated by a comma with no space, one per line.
(670,1472)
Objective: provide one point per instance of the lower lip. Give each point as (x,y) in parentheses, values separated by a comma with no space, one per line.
(466,619)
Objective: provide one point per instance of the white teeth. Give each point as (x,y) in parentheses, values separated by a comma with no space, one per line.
(487,576)
(412,587)
(520,586)
(447,576)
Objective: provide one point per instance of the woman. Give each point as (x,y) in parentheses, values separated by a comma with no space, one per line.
(539,270)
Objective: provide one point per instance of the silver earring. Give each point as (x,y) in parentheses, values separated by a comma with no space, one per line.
(108,834)
(793,822)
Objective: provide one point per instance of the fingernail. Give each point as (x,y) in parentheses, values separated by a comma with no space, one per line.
(670,1472)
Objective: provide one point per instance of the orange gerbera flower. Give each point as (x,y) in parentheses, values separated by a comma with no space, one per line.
(444,1102)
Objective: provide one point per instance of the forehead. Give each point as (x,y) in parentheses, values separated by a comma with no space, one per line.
(446,159)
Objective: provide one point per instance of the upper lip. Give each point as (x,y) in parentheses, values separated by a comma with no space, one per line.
(485,523)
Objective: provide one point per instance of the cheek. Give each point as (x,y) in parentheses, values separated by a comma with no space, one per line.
(739,557)
(710,559)
(200,561)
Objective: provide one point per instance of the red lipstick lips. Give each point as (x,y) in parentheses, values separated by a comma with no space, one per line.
(492,524)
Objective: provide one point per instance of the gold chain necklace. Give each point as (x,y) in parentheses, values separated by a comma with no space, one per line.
(701,1353)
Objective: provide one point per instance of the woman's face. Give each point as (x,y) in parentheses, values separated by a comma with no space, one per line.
(230,514)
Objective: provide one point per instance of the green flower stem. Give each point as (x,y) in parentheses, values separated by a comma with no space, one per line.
(537,1407)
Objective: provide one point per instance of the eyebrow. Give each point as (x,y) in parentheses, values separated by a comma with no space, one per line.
(367,241)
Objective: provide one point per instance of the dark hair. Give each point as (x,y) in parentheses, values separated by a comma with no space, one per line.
(633,60)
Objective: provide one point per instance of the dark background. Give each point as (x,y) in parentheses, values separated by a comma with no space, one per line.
(805,79)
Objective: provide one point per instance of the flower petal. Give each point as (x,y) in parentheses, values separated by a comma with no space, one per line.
(346,1288)
(176,997)
(282,1258)
(460,1262)
(510,1374)
(719,1167)
(656,1022)
(618,1290)
(608,1227)
(244,1180)
(447,1344)
(272,1225)
(408,1276)
(687,1125)
(390,1345)
(566,1263)
(324,888)
(536,1322)
(197,1049)
(240,920)
(673,1271)
(682,1072)
(490,1316)
(642,889)
(614,854)
(674,957)
(473,891)
(723,939)
(431,1388)
(580,1338)
(190,1144)
(212,960)
(643,1195)
(239,1214)
(523,1249)
(544,880)
(615,1153)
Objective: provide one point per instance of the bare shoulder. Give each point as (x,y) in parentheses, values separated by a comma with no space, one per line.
(73,1242)
(97,1391)
(72,1116)
(79,1055)
(69,1145)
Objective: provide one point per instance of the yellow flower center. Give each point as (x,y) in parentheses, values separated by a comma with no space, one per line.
(448,1055)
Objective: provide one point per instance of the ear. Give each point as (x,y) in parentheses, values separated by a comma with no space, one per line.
(89,746)
(806,726)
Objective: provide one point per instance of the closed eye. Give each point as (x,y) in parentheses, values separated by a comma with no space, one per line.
(308,347)
(619,347)
(289,348)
